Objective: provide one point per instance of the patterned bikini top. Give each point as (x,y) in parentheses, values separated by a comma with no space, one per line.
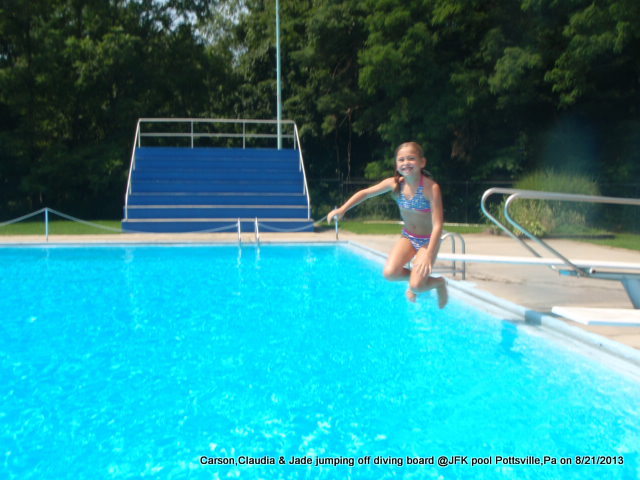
(417,202)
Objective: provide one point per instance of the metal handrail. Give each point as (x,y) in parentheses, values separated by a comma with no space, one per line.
(515,194)
(257,229)
(453,236)
(136,143)
(304,174)
(46,211)
(193,135)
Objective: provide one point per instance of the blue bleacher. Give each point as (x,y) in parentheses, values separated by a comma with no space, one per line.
(175,189)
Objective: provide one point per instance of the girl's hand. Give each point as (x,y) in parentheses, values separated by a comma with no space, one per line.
(422,263)
(334,213)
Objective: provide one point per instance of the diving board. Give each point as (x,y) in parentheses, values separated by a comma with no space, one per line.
(627,273)
(545,261)
(622,317)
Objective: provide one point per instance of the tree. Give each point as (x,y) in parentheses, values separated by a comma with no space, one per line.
(76,74)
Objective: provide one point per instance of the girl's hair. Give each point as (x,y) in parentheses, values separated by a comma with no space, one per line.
(418,148)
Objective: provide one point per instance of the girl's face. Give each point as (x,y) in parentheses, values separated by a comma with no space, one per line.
(409,162)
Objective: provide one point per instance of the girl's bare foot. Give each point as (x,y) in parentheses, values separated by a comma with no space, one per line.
(411,296)
(443,294)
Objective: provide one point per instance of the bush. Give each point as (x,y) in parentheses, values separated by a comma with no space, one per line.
(544,217)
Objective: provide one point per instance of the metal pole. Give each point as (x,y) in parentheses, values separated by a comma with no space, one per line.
(257,232)
(46,224)
(278,76)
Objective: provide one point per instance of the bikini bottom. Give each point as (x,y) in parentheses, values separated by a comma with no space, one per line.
(418,241)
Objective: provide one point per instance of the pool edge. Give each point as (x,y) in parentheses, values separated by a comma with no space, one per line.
(535,318)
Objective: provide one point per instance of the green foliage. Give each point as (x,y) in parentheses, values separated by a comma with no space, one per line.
(379,169)
(377,208)
(543,217)
(74,78)
(491,89)
(598,59)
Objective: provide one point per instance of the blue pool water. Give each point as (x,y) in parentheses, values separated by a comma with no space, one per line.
(136,362)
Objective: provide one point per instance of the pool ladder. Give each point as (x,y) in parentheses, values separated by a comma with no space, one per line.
(456,267)
(256,229)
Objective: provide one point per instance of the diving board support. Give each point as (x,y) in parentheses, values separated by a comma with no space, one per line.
(632,286)
(630,282)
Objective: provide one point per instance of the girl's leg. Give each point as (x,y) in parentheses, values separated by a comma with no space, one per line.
(401,253)
(419,285)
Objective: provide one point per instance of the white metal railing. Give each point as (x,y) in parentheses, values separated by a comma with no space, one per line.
(47,221)
(453,236)
(515,194)
(192,134)
(296,143)
(257,231)
(236,225)
(132,166)
(631,281)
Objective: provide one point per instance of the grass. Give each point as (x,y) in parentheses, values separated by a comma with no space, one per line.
(390,228)
(619,240)
(60,227)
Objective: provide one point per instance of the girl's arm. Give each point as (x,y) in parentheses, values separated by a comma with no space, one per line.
(383,187)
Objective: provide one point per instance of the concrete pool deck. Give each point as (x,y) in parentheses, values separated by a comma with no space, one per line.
(534,287)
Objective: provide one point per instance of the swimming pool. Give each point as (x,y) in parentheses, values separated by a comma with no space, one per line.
(165,361)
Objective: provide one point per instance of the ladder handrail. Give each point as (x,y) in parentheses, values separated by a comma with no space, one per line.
(136,143)
(304,174)
(453,236)
(515,194)
(257,229)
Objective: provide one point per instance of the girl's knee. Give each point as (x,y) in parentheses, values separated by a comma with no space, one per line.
(426,283)
(421,284)
(390,273)
(416,283)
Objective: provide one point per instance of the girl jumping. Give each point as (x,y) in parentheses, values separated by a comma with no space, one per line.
(420,203)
